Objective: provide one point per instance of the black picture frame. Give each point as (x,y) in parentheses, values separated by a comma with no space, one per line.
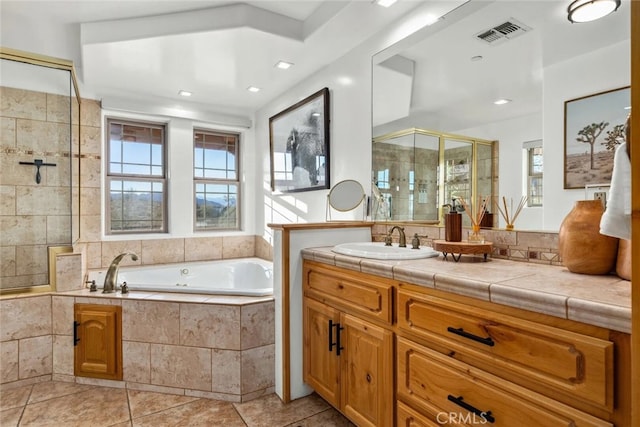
(299,144)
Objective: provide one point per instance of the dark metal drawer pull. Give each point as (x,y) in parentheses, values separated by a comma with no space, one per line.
(482,414)
(76,339)
(459,331)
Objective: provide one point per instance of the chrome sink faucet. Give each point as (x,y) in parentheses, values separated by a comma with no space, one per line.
(111,279)
(402,240)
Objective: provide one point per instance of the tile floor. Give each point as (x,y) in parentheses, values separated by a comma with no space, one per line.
(60,404)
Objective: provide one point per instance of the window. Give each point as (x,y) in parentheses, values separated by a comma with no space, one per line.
(136,177)
(216,180)
(534,175)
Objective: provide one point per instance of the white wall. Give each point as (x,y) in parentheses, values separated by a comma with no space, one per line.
(598,71)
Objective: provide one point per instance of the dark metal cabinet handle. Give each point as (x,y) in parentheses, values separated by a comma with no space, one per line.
(339,344)
(486,415)
(336,344)
(331,343)
(459,331)
(76,339)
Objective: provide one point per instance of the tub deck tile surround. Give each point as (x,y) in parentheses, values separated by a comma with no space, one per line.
(598,300)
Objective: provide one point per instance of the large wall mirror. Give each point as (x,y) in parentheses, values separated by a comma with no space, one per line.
(40,158)
(447,76)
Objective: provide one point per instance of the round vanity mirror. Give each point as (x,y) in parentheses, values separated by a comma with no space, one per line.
(345,196)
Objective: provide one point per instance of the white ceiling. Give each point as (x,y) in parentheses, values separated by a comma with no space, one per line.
(149,50)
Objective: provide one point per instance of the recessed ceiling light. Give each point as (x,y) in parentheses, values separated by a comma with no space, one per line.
(253,89)
(385,3)
(284,65)
(501,101)
(185,93)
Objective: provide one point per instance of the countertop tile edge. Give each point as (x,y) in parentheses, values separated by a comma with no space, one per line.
(539,302)
(462,286)
(605,315)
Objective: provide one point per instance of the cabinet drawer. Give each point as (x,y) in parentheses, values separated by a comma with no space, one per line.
(522,351)
(438,384)
(408,417)
(354,291)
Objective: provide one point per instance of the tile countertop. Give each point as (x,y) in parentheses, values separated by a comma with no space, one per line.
(596,300)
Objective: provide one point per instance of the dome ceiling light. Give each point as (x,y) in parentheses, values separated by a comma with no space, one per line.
(590,10)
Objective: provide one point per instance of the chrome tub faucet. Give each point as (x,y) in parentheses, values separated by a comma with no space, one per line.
(111,279)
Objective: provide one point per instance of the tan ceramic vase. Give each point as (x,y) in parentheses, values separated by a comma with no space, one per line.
(623,265)
(582,248)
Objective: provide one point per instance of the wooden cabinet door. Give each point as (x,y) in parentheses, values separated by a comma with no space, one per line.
(321,364)
(98,335)
(367,372)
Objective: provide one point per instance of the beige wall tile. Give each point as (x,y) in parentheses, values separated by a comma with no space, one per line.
(90,138)
(42,137)
(69,272)
(93,256)
(162,251)
(136,361)
(62,315)
(7,132)
(258,325)
(100,382)
(238,246)
(247,397)
(7,200)
(63,355)
(90,113)
(8,257)
(99,299)
(258,368)
(90,172)
(155,388)
(25,230)
(214,395)
(202,248)
(264,249)
(58,108)
(13,173)
(8,361)
(110,250)
(35,357)
(58,230)
(39,200)
(90,201)
(226,371)
(209,325)
(177,366)
(10,282)
(25,317)
(150,321)
(90,228)
(23,103)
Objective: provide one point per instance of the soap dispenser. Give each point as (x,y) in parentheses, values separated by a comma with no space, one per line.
(452,224)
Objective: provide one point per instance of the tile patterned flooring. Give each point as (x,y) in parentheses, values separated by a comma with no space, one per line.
(58,404)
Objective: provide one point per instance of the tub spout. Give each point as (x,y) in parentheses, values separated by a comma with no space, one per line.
(111,279)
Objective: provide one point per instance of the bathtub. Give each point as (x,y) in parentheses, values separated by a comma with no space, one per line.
(242,276)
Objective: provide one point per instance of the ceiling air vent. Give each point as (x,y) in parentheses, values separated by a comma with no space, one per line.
(500,33)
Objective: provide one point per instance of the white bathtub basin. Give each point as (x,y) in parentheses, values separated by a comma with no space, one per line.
(377,250)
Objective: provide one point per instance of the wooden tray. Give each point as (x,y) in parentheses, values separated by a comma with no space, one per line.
(462,248)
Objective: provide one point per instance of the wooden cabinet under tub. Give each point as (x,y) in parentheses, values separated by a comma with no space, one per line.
(456,360)
(98,341)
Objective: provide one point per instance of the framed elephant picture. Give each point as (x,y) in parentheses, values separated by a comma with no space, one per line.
(299,143)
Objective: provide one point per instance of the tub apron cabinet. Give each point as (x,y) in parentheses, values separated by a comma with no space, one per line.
(455,360)
(348,347)
(97,340)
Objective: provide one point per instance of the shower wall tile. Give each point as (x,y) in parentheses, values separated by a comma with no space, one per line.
(90,228)
(7,132)
(153,322)
(63,355)
(23,104)
(58,229)
(112,249)
(7,200)
(8,257)
(62,315)
(226,371)
(258,325)
(185,367)
(162,251)
(90,175)
(31,260)
(258,368)
(90,113)
(35,357)
(25,317)
(58,108)
(8,361)
(42,137)
(136,362)
(13,173)
(90,141)
(238,246)
(40,200)
(27,230)
(22,281)
(202,248)
(69,272)
(210,325)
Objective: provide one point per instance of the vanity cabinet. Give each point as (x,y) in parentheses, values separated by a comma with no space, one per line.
(98,341)
(348,344)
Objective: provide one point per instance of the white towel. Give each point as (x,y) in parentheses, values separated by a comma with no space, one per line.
(616,220)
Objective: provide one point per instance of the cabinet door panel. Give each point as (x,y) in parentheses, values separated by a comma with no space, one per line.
(98,354)
(367,372)
(321,367)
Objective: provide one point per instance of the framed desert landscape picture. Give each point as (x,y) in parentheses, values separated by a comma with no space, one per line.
(593,128)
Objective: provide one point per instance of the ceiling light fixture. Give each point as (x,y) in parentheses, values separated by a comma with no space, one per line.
(476,58)
(184,93)
(284,65)
(253,89)
(385,3)
(590,10)
(501,101)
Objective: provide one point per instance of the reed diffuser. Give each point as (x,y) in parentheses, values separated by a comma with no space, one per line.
(508,213)
(475,214)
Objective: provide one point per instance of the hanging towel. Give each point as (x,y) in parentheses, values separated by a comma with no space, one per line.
(616,220)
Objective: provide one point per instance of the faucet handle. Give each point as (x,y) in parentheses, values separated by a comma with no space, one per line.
(387,240)
(415,242)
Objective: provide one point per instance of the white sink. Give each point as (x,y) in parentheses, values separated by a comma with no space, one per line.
(377,250)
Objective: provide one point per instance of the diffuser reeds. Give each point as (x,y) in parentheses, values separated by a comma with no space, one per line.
(508,213)
(478,212)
